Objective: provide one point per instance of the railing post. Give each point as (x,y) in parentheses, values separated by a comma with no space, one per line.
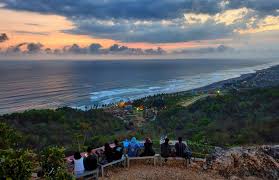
(102,172)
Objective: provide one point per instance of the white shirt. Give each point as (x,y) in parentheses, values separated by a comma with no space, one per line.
(79,167)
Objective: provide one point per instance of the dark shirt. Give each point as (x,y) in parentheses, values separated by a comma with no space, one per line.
(148,150)
(180,149)
(90,162)
(118,152)
(109,155)
(165,150)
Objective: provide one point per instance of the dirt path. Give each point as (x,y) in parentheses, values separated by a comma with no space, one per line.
(188,102)
(167,172)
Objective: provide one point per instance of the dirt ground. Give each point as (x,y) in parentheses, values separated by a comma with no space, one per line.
(168,171)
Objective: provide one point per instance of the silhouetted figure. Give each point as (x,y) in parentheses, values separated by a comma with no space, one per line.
(108,153)
(165,149)
(117,150)
(148,149)
(90,162)
(180,148)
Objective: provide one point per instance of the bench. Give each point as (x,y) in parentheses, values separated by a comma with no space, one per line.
(94,174)
(154,158)
(174,158)
(123,159)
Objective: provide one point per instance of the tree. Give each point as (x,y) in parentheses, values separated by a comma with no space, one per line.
(8,136)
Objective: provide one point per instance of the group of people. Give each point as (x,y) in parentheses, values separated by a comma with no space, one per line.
(87,163)
(90,161)
(181,149)
(133,149)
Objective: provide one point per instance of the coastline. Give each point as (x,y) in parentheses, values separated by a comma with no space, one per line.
(219,85)
(223,84)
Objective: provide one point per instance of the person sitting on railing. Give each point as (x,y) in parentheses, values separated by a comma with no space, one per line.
(78,164)
(90,162)
(117,150)
(108,153)
(165,149)
(182,150)
(133,148)
(148,150)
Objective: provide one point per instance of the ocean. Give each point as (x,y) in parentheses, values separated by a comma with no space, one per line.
(50,84)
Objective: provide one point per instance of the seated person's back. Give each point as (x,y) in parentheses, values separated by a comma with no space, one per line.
(90,162)
(108,153)
(133,148)
(181,149)
(117,150)
(148,150)
(165,148)
(78,163)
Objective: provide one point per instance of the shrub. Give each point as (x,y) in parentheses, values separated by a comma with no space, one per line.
(16,164)
(53,164)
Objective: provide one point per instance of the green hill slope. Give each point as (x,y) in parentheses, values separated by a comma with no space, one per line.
(65,127)
(247,117)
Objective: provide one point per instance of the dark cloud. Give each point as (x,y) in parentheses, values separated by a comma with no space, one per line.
(117,9)
(264,6)
(137,9)
(94,48)
(34,47)
(209,50)
(15,49)
(74,49)
(3,37)
(31,48)
(155,32)
(141,20)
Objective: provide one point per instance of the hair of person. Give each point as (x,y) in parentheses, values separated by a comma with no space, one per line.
(148,140)
(77,155)
(89,149)
(116,141)
(107,146)
(180,139)
(167,140)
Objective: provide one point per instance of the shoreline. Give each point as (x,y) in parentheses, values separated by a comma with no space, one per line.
(204,88)
(219,85)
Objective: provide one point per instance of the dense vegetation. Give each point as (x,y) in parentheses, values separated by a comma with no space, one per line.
(66,127)
(235,118)
(231,118)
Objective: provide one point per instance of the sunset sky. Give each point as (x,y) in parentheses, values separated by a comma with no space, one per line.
(174,25)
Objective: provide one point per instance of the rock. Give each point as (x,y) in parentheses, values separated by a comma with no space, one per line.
(272,151)
(261,162)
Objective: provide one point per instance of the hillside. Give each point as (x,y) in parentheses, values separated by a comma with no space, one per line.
(231,118)
(66,127)
(228,119)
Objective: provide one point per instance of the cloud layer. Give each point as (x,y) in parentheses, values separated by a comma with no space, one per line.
(75,49)
(155,21)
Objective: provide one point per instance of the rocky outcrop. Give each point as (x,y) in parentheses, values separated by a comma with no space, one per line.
(261,162)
